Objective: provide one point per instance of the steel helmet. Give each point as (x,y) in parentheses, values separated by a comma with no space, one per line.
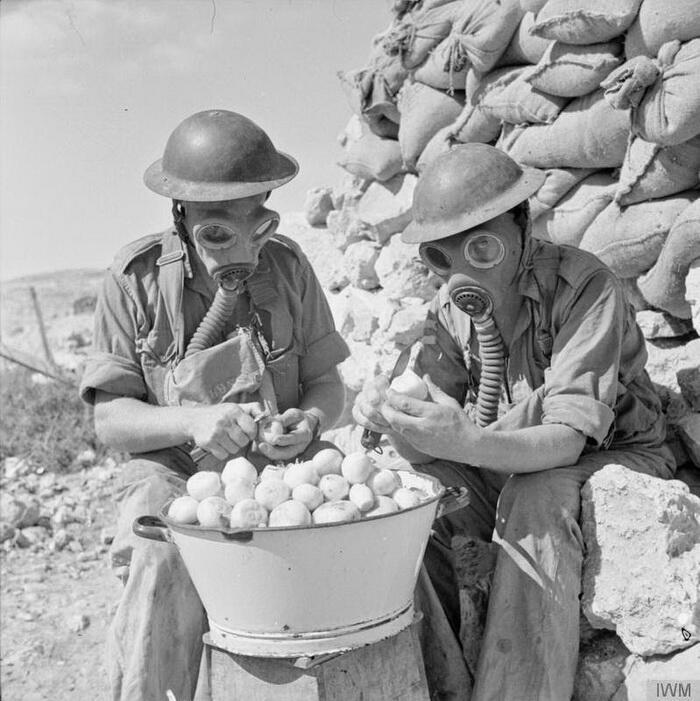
(464,187)
(218,155)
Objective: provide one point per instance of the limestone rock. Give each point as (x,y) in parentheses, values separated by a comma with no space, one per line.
(406,325)
(360,366)
(360,320)
(19,513)
(359,262)
(7,531)
(600,668)
(348,192)
(386,207)
(692,293)
(346,227)
(317,205)
(672,673)
(640,574)
(661,325)
(688,429)
(688,374)
(401,273)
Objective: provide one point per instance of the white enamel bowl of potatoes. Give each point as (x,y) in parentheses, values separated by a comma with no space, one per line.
(302,559)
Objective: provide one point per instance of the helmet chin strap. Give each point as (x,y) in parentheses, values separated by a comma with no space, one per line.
(477,303)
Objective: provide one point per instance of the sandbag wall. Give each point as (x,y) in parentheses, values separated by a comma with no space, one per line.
(604,95)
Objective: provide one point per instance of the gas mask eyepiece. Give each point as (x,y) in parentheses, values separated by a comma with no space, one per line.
(481,250)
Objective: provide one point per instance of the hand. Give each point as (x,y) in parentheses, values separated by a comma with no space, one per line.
(299,432)
(223,429)
(438,427)
(367,408)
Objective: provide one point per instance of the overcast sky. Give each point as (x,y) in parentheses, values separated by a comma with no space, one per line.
(91,90)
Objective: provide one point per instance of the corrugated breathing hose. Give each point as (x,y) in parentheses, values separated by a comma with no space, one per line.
(214,321)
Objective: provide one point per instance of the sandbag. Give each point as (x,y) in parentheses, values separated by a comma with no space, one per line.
(524,48)
(557,182)
(439,71)
(475,126)
(482,30)
(630,239)
(669,112)
(424,111)
(588,133)
(373,158)
(664,285)
(651,171)
(567,222)
(592,22)
(659,21)
(568,70)
(532,5)
(506,95)
(420,31)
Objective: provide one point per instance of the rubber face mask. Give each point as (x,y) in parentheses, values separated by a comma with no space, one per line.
(229,236)
(484,262)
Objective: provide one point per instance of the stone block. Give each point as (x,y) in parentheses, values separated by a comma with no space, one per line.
(656,325)
(359,261)
(669,677)
(640,575)
(362,364)
(361,317)
(688,430)
(346,228)
(692,293)
(688,374)
(317,205)
(386,207)
(402,274)
(406,325)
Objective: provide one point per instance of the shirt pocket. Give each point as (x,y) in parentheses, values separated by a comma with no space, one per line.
(156,351)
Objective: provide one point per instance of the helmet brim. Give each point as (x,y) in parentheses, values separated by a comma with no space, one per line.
(529,182)
(165,184)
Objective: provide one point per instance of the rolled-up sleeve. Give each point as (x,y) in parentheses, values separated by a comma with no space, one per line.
(113,366)
(324,348)
(580,386)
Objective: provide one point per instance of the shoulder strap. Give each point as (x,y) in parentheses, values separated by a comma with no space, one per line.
(171,278)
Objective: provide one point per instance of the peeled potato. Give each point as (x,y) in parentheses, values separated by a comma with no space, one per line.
(309,495)
(383,505)
(383,482)
(248,513)
(239,468)
(336,512)
(238,489)
(270,493)
(334,487)
(301,473)
(356,467)
(406,498)
(213,512)
(204,484)
(270,430)
(362,496)
(327,461)
(409,383)
(273,472)
(183,509)
(290,513)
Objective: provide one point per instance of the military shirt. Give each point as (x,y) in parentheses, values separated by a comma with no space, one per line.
(134,344)
(577,355)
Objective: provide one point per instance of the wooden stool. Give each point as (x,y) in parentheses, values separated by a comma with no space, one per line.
(390,669)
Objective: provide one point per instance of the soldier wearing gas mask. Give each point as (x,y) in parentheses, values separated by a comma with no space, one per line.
(535,369)
(200,331)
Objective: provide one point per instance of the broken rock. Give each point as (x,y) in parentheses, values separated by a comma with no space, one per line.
(688,429)
(655,325)
(317,205)
(386,207)
(359,261)
(640,574)
(402,274)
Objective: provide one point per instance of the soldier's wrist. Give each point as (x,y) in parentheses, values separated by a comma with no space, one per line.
(315,421)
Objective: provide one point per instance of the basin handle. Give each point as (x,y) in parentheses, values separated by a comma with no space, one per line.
(453,499)
(151,527)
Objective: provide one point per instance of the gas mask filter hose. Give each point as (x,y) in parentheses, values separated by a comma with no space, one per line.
(474,301)
(214,321)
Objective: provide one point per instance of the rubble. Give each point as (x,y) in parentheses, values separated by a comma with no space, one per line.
(318,205)
(386,207)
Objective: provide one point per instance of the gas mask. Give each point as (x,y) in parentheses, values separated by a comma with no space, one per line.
(479,266)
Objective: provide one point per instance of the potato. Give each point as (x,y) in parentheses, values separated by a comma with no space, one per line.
(269,430)
(383,482)
(336,512)
(383,505)
(300,473)
(248,513)
(327,461)
(204,484)
(309,495)
(273,472)
(213,512)
(334,487)
(356,467)
(241,468)
(290,513)
(183,509)
(362,496)
(409,383)
(406,498)
(238,489)
(272,492)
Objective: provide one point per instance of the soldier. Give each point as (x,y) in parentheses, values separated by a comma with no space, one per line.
(198,330)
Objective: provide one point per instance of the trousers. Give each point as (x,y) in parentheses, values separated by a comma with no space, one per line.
(529,650)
